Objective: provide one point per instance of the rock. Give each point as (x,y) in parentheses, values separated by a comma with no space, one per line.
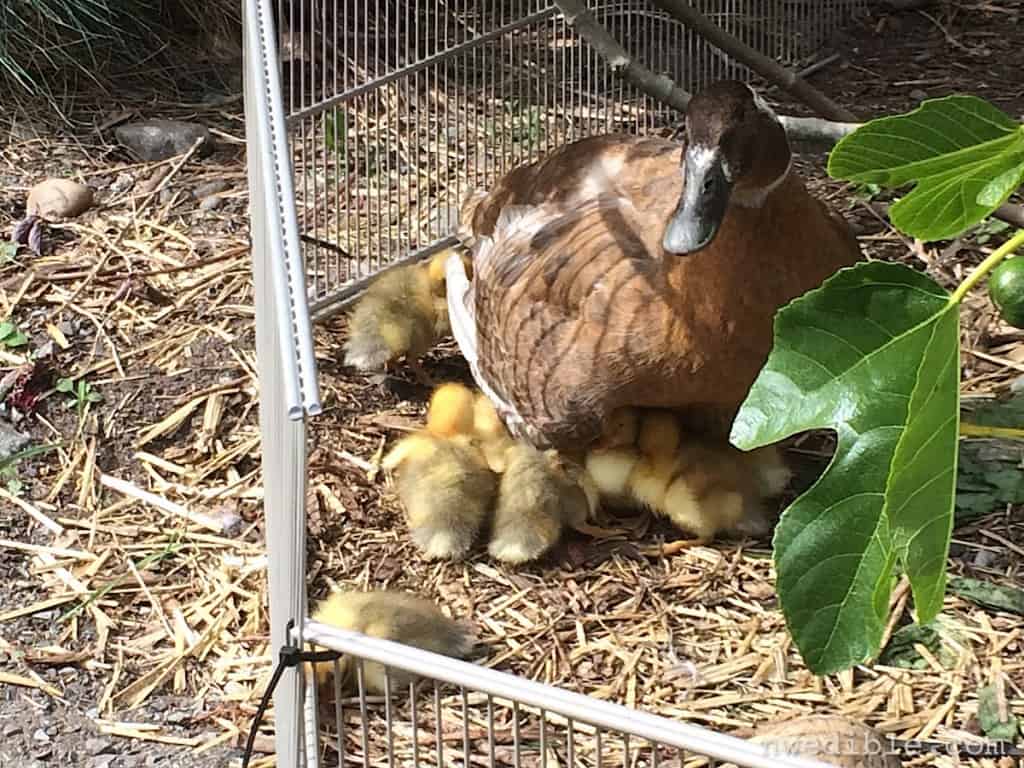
(41,736)
(11,441)
(56,199)
(122,183)
(918,95)
(984,558)
(155,140)
(11,729)
(210,188)
(97,746)
(211,203)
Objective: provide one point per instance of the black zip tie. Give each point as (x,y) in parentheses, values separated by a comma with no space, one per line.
(288,656)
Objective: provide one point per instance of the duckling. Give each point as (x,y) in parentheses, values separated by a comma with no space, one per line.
(536,499)
(451,410)
(398,616)
(404,312)
(637,271)
(710,490)
(609,471)
(619,430)
(658,440)
(770,470)
(494,439)
(446,489)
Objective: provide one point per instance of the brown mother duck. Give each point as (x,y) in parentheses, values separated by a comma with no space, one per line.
(631,271)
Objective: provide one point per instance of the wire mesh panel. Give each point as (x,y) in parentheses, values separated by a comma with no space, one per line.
(396,109)
(407,707)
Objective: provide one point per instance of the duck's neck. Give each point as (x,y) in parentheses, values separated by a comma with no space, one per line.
(755,197)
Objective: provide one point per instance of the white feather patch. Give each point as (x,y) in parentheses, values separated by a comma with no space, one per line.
(521,221)
(459,292)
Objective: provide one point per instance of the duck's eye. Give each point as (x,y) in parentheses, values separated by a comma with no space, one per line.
(707,184)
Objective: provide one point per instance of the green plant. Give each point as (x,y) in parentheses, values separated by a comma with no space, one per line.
(82,393)
(48,47)
(874,354)
(10,336)
(9,465)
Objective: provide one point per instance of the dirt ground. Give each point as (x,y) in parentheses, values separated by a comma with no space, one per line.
(149,300)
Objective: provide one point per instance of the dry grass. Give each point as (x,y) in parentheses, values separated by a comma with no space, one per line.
(143,530)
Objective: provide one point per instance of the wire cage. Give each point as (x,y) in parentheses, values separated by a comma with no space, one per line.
(367,123)
(397,109)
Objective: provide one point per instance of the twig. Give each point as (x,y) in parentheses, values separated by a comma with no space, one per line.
(622,64)
(128,489)
(763,65)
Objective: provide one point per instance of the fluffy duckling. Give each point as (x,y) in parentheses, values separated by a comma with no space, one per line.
(398,616)
(455,410)
(658,439)
(451,410)
(609,472)
(446,489)
(491,434)
(404,312)
(620,429)
(710,491)
(537,497)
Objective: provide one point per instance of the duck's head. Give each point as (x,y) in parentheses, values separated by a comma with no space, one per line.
(736,152)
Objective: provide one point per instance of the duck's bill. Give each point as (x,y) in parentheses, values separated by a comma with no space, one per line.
(702,205)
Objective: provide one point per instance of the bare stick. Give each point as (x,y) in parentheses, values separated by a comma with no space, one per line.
(767,67)
(660,87)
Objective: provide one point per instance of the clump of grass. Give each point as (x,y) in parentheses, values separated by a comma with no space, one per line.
(50,49)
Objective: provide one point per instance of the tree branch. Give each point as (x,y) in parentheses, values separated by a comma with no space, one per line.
(765,66)
(660,87)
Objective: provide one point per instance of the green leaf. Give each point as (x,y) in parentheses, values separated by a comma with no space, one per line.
(874,354)
(902,651)
(16,339)
(6,329)
(988,595)
(965,156)
(988,716)
(8,250)
(67,386)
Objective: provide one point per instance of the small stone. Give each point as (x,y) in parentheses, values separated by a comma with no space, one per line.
(41,736)
(155,140)
(211,203)
(11,441)
(68,328)
(46,351)
(984,558)
(56,199)
(918,95)
(101,762)
(11,729)
(122,183)
(97,746)
(210,188)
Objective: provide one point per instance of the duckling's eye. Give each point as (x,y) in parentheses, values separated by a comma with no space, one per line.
(707,184)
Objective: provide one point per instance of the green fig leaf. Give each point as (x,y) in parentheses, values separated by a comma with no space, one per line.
(964,155)
(873,354)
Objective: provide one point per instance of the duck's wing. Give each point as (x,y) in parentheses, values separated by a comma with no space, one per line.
(554,291)
(610,166)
